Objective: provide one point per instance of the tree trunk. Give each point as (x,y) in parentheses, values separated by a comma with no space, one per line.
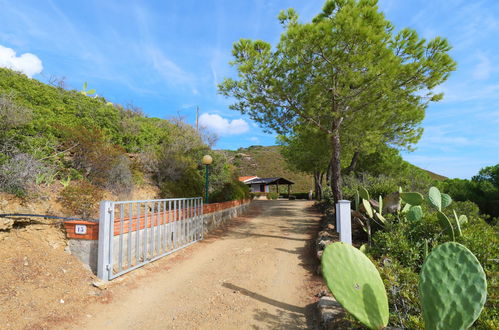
(329,172)
(336,165)
(353,163)
(318,184)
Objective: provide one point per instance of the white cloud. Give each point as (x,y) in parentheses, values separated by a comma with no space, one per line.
(483,69)
(27,63)
(222,126)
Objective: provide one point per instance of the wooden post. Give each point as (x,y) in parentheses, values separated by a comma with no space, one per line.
(277,188)
(288,189)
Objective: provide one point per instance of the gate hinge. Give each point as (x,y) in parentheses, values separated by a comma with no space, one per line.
(108,267)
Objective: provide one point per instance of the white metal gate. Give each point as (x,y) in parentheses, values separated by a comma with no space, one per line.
(133,233)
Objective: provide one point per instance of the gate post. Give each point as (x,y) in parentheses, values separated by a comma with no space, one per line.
(105,227)
(344,221)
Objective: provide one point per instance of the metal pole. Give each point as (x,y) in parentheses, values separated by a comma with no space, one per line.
(206,184)
(106,231)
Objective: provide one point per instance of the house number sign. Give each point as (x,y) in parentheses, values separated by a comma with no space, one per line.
(81,229)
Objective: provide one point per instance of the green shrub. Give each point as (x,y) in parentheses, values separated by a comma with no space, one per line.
(401,285)
(189,184)
(482,189)
(376,185)
(299,195)
(81,199)
(272,195)
(20,172)
(234,190)
(103,164)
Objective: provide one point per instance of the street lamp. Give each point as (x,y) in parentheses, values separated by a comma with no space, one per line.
(207,160)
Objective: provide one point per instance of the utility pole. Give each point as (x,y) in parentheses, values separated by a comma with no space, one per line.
(197,118)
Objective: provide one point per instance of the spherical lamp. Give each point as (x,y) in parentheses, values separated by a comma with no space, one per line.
(207,160)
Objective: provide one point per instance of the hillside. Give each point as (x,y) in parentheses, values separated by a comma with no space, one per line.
(84,148)
(268,162)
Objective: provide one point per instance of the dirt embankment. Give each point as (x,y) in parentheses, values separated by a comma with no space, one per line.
(41,284)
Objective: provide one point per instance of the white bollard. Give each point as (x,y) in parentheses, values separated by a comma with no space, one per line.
(344,221)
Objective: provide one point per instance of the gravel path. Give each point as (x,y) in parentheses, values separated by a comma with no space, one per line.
(254,274)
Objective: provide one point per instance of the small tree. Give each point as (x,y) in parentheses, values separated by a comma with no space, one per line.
(347,69)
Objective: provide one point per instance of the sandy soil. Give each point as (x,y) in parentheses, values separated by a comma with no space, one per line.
(40,283)
(257,273)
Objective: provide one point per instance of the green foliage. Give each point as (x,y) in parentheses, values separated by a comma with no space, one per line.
(81,199)
(482,189)
(356,284)
(415,213)
(87,137)
(272,195)
(376,186)
(52,108)
(401,285)
(452,287)
(189,184)
(270,85)
(387,161)
(19,174)
(234,190)
(100,162)
(412,198)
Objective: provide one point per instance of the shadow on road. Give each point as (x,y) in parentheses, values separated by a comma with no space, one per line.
(287,317)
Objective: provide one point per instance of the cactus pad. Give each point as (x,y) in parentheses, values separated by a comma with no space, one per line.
(368,208)
(446,200)
(364,194)
(452,287)
(435,198)
(356,284)
(415,213)
(445,223)
(412,198)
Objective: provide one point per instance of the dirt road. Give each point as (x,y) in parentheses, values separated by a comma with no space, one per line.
(256,273)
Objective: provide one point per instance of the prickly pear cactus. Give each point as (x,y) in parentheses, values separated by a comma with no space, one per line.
(364,194)
(435,198)
(452,287)
(446,224)
(446,200)
(412,198)
(415,213)
(356,284)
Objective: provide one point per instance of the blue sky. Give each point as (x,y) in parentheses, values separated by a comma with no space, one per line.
(168,56)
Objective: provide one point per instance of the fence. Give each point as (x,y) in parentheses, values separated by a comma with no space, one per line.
(133,233)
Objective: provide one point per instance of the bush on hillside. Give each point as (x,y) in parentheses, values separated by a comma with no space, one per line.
(11,114)
(189,184)
(105,165)
(376,185)
(482,189)
(81,199)
(20,172)
(234,190)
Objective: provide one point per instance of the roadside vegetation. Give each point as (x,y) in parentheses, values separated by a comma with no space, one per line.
(346,92)
(50,136)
